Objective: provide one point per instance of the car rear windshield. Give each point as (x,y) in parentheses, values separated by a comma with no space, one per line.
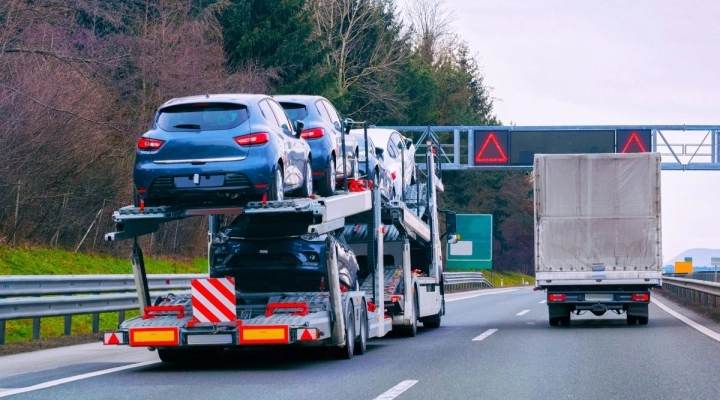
(269,226)
(296,112)
(202,116)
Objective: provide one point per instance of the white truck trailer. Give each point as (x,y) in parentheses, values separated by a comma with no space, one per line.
(597,233)
(215,315)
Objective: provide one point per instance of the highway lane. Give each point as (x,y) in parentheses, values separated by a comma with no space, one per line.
(495,345)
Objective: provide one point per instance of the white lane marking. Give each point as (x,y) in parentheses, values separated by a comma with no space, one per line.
(396,390)
(484,335)
(712,334)
(543,302)
(69,379)
(480,294)
(523,312)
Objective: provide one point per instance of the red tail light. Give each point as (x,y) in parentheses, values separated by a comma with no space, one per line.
(149,144)
(393,175)
(252,139)
(395,299)
(314,133)
(641,297)
(555,297)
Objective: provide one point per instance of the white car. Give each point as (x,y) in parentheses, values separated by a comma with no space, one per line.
(394,149)
(379,173)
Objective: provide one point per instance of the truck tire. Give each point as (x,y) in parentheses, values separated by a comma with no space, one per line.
(565,320)
(170,355)
(326,188)
(346,352)
(643,320)
(435,320)
(361,340)
(411,331)
(631,319)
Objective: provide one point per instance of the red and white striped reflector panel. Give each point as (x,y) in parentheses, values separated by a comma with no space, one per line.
(111,338)
(213,300)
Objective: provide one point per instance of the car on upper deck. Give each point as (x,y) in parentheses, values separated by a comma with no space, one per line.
(378,172)
(323,132)
(221,149)
(397,153)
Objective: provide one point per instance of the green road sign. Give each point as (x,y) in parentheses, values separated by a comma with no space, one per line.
(473,249)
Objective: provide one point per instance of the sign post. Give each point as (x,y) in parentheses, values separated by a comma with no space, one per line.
(715,261)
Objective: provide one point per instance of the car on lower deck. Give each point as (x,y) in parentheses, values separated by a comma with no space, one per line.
(281,257)
(221,149)
(323,132)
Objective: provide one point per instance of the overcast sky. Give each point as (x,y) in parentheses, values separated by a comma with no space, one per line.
(588,62)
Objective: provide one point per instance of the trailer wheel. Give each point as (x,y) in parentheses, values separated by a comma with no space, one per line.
(361,342)
(631,319)
(170,355)
(643,320)
(346,352)
(554,321)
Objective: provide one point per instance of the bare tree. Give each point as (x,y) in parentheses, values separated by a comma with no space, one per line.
(431,29)
(363,45)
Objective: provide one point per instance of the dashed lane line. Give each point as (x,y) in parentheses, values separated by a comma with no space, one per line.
(543,302)
(396,390)
(523,312)
(484,335)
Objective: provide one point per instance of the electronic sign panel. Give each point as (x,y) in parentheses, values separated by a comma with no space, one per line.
(491,147)
(525,144)
(634,140)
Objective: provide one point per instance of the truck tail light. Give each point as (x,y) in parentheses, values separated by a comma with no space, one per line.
(252,139)
(641,297)
(149,144)
(556,297)
(395,299)
(314,133)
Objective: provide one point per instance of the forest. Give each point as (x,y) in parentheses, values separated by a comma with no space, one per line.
(80,81)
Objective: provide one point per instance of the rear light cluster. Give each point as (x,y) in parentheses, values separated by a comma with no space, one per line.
(149,144)
(252,139)
(314,133)
(556,297)
(641,297)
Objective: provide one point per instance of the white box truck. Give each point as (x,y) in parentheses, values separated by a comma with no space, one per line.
(597,233)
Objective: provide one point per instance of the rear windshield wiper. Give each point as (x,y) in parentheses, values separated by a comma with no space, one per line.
(187,126)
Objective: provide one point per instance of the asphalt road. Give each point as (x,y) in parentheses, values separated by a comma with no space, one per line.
(493,344)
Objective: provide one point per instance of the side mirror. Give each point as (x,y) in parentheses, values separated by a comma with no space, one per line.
(338,126)
(299,125)
(346,126)
(379,153)
(450,223)
(408,143)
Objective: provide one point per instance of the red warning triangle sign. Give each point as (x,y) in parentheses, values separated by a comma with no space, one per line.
(306,335)
(491,151)
(634,145)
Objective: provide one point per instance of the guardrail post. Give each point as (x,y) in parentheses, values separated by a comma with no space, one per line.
(68,325)
(121,317)
(2,331)
(96,323)
(36,328)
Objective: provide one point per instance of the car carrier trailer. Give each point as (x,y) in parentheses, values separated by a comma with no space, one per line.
(214,316)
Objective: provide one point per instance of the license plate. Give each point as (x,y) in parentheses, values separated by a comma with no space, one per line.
(598,297)
(199,181)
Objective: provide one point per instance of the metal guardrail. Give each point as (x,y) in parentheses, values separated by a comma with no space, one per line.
(68,295)
(465,280)
(695,290)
